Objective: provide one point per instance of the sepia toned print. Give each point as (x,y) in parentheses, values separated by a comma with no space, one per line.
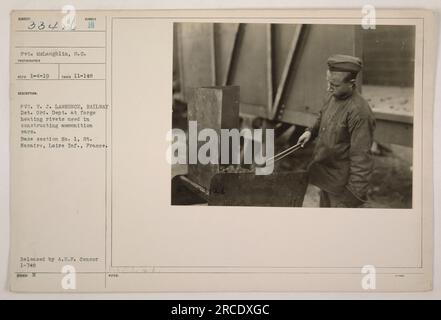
(338,99)
(221,151)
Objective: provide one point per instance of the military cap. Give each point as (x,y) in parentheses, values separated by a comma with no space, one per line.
(341,62)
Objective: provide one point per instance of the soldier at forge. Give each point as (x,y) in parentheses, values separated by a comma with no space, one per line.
(342,163)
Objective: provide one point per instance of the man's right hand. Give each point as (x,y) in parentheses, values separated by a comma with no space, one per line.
(304,138)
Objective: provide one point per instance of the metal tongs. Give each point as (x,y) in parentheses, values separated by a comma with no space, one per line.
(284,153)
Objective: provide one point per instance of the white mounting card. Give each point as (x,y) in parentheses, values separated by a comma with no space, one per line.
(94,95)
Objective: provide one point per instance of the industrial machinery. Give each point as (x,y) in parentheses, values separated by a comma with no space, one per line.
(215,183)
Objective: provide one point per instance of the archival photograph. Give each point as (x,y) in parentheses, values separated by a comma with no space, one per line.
(250,151)
(292,115)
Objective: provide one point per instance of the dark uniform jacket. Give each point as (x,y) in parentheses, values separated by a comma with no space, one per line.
(342,159)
